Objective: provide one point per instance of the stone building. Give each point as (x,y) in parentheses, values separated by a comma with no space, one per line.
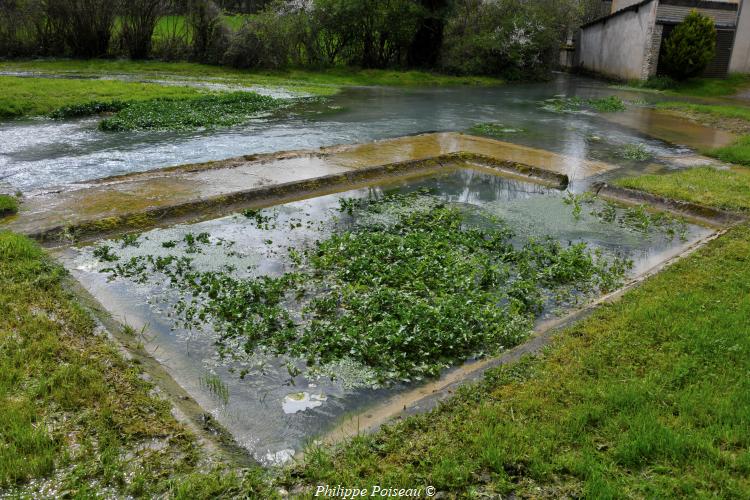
(626,43)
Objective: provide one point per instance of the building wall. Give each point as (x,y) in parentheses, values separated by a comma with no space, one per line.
(620,46)
(723,13)
(621,4)
(740,61)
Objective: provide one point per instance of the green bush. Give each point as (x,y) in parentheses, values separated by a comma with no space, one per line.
(690,47)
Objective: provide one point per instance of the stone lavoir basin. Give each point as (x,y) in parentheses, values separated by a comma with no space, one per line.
(275,393)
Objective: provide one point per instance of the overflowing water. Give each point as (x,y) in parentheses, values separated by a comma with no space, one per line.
(273,410)
(39,154)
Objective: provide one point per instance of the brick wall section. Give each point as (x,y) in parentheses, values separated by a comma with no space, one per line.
(651,62)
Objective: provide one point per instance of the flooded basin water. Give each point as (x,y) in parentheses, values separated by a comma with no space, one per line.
(274,404)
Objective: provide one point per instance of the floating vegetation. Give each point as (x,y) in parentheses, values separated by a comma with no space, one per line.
(88,109)
(561,104)
(494,129)
(576,201)
(635,152)
(261,218)
(609,104)
(130,240)
(213,384)
(638,218)
(104,254)
(214,110)
(413,285)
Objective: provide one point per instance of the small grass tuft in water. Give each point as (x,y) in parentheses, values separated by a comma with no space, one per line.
(8,205)
(572,104)
(493,129)
(213,384)
(607,104)
(635,152)
(219,110)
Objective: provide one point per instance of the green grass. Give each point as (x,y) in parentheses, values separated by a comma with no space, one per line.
(727,189)
(322,82)
(645,398)
(167,26)
(41,96)
(712,87)
(717,110)
(737,152)
(8,205)
(696,87)
(75,416)
(220,110)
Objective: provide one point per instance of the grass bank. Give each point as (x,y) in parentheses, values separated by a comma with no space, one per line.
(643,399)
(696,87)
(727,189)
(321,82)
(41,96)
(732,117)
(76,419)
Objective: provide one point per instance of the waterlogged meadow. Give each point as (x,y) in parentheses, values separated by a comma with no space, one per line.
(326,305)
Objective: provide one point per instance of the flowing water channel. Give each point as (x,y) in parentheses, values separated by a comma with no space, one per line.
(41,154)
(272,411)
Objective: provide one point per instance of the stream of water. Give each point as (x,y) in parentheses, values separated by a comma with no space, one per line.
(40,154)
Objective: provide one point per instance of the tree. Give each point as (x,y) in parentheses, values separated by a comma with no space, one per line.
(424,50)
(86,25)
(139,18)
(690,47)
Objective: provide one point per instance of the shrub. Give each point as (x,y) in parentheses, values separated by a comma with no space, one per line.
(267,39)
(510,38)
(690,47)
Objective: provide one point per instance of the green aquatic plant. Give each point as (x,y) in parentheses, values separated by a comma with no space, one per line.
(640,219)
(262,219)
(576,201)
(214,110)
(607,104)
(213,384)
(562,104)
(413,286)
(130,240)
(494,129)
(104,254)
(635,152)
(88,109)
